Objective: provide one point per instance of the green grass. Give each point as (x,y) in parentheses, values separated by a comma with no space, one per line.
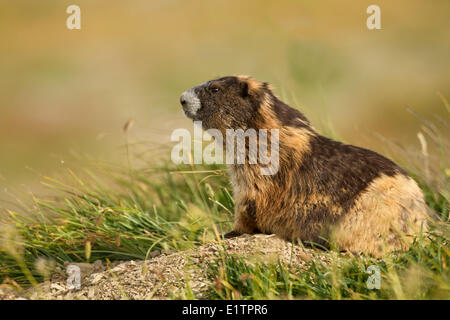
(122,219)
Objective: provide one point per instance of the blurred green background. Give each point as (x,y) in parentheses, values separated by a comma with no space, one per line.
(64,91)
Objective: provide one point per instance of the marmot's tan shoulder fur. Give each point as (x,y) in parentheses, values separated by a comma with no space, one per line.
(324,191)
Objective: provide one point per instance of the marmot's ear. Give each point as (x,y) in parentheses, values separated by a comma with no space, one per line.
(244,88)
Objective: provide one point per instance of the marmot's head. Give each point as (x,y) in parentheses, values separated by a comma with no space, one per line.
(225,103)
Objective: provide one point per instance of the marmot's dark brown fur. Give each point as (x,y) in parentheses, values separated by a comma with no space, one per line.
(324,191)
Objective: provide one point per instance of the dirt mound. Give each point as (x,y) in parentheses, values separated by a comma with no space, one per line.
(163,276)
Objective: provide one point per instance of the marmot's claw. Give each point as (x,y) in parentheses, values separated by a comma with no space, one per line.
(231,234)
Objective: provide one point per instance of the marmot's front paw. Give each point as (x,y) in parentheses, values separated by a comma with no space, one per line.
(231,234)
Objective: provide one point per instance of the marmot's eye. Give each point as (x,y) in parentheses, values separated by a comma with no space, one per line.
(214,89)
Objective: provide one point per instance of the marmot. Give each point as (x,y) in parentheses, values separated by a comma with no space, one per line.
(324,191)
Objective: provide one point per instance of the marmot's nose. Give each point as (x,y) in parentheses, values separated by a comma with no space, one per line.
(182,101)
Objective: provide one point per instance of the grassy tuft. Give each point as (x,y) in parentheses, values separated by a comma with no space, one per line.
(123,219)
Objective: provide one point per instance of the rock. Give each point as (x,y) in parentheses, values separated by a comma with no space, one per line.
(154,253)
